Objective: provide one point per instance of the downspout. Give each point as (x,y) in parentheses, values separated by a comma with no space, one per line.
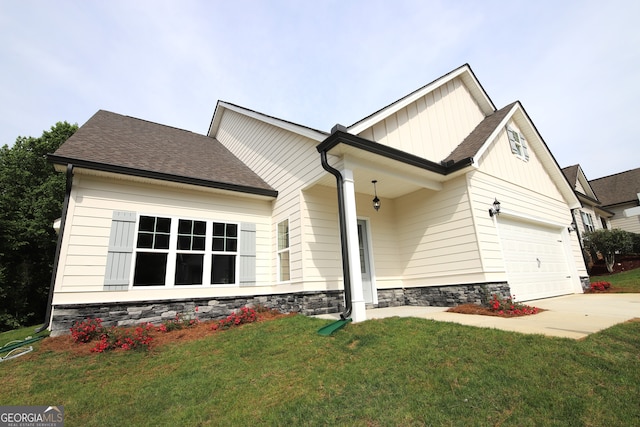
(56,259)
(343,235)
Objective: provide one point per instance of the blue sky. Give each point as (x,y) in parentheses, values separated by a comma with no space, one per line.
(572,64)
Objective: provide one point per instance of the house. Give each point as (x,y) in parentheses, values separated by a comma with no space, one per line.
(591,216)
(157,220)
(620,194)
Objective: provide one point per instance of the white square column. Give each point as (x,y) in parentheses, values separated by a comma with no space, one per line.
(358,308)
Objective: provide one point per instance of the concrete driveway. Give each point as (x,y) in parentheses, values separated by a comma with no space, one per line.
(569,316)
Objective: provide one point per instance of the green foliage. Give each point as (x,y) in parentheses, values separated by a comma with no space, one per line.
(388,372)
(635,246)
(608,243)
(31,196)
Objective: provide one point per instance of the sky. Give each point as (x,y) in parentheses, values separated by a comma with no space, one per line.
(572,64)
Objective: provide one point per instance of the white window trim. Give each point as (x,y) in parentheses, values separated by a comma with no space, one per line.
(280,251)
(587,221)
(518,144)
(172,251)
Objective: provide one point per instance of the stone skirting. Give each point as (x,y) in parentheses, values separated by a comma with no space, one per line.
(307,303)
(132,313)
(442,296)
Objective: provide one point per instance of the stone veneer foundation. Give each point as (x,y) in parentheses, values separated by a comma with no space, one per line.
(307,303)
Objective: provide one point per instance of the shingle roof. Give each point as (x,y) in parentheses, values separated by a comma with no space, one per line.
(622,187)
(112,141)
(571,173)
(476,139)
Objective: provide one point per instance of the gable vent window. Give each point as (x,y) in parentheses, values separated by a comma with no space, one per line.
(518,144)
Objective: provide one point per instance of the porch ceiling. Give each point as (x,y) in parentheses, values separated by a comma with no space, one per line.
(395,178)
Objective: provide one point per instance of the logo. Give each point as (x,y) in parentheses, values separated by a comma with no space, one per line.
(31,416)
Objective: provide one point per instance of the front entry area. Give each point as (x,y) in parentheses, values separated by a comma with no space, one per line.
(365,262)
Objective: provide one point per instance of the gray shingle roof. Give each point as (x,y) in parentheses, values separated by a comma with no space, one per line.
(622,187)
(571,173)
(476,139)
(112,141)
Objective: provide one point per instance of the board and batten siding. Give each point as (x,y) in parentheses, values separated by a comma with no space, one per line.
(85,251)
(433,126)
(286,161)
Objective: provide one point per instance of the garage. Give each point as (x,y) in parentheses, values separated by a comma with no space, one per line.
(535,259)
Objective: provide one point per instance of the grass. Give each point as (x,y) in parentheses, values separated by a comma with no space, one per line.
(626,281)
(396,371)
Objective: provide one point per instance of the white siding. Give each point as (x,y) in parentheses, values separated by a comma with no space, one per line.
(436,238)
(83,259)
(631,223)
(286,161)
(433,126)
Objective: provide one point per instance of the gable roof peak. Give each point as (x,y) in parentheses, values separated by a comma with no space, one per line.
(464,72)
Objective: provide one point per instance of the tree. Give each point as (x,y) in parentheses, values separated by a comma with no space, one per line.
(608,243)
(31,196)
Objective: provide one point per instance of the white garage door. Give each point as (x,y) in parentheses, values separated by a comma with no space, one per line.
(536,262)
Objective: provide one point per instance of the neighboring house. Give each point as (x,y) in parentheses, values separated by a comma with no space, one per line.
(590,216)
(620,194)
(264,211)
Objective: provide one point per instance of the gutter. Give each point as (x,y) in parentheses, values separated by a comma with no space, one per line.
(56,259)
(343,234)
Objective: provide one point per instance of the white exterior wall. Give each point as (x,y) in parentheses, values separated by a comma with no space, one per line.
(437,241)
(432,126)
(524,189)
(287,162)
(631,224)
(83,257)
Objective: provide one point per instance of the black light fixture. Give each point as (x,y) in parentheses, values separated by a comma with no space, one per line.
(495,210)
(376,201)
(571,227)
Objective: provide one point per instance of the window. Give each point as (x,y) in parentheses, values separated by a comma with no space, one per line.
(224,247)
(587,221)
(604,222)
(518,144)
(179,252)
(284,271)
(190,252)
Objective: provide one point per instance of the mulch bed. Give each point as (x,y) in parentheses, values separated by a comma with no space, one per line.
(478,309)
(65,343)
(623,263)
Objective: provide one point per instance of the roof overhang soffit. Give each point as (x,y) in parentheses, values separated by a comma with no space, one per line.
(380,162)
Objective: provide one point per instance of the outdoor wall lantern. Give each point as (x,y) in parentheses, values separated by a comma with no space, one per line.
(571,227)
(495,210)
(376,201)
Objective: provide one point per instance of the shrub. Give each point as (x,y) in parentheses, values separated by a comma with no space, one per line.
(599,286)
(87,330)
(180,321)
(508,307)
(609,243)
(109,339)
(245,315)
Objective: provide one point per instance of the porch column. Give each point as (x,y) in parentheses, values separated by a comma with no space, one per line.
(358,313)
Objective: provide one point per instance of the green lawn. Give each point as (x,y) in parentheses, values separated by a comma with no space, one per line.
(396,371)
(627,281)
